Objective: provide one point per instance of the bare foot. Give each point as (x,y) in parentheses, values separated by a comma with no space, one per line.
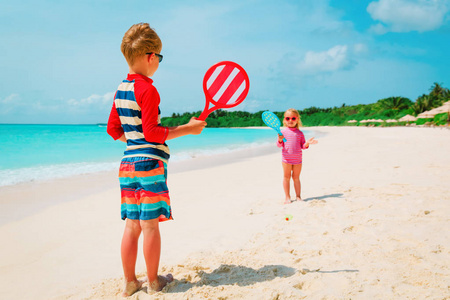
(162,281)
(298,199)
(132,287)
(287,201)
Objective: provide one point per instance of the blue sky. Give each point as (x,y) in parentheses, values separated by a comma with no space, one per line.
(61,60)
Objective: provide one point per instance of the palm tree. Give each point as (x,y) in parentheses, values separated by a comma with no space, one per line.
(439,94)
(436,90)
(423,103)
(395,103)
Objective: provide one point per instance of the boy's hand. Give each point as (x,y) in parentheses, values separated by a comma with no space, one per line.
(196,125)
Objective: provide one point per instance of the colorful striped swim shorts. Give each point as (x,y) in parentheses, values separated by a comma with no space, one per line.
(143,187)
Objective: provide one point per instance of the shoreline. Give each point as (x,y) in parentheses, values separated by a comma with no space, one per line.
(81,185)
(23,199)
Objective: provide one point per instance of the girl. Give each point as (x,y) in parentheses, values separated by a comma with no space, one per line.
(292,152)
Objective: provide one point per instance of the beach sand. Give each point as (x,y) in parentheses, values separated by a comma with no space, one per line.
(371,226)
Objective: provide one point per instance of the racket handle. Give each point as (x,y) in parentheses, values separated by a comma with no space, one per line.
(284,139)
(203,115)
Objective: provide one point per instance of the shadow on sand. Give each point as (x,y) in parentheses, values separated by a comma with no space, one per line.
(323,197)
(230,275)
(304,271)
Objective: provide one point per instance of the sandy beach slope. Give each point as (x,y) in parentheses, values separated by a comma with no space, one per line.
(373,225)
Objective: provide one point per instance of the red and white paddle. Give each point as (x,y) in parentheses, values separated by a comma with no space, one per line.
(225,85)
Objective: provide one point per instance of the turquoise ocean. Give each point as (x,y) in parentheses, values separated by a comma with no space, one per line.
(44,152)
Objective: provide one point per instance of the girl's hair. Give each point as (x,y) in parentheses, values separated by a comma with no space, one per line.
(138,40)
(295,112)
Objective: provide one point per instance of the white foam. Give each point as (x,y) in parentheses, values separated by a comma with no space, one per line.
(40,173)
(15,176)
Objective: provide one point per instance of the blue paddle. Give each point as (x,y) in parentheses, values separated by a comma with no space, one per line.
(271,120)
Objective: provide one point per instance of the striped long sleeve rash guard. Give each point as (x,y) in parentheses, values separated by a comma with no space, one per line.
(136,114)
(292,149)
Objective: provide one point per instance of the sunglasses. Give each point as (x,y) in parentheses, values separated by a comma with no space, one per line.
(160,57)
(289,118)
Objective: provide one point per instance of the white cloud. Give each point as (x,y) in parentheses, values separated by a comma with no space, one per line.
(9,103)
(333,59)
(251,105)
(70,109)
(10,99)
(379,29)
(93,101)
(360,48)
(408,15)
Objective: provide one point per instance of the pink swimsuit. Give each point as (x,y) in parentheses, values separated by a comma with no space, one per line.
(292,149)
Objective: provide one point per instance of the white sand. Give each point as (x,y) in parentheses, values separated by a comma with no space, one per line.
(374,225)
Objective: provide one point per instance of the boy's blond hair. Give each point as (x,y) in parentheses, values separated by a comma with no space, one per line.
(295,112)
(138,40)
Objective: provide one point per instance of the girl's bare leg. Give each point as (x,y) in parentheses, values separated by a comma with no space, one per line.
(287,170)
(296,170)
(129,250)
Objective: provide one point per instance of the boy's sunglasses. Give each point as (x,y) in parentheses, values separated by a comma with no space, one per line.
(288,118)
(158,55)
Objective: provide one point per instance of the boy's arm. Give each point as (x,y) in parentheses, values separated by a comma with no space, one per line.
(122,138)
(153,132)
(114,127)
(193,127)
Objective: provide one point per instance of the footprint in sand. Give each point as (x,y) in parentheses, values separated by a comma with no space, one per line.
(306,271)
(299,285)
(317,202)
(348,229)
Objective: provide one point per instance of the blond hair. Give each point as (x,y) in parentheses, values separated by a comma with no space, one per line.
(138,40)
(295,112)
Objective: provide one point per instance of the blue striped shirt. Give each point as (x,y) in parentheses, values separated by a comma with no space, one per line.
(130,115)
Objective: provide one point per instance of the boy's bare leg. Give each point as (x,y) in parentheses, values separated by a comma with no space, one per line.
(129,250)
(152,252)
(287,170)
(296,170)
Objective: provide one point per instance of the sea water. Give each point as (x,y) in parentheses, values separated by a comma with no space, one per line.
(43,152)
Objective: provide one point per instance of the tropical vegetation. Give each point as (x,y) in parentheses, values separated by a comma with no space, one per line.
(384,109)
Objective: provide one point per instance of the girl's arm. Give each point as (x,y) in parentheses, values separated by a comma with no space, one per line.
(280,142)
(310,141)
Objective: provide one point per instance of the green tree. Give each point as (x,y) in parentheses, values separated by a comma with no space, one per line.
(423,103)
(437,90)
(395,103)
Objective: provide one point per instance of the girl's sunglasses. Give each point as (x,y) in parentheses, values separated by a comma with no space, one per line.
(289,118)
(160,57)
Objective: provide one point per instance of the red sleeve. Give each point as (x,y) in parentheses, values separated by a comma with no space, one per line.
(114,127)
(280,144)
(149,100)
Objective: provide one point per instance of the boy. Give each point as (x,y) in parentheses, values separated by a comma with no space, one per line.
(135,119)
